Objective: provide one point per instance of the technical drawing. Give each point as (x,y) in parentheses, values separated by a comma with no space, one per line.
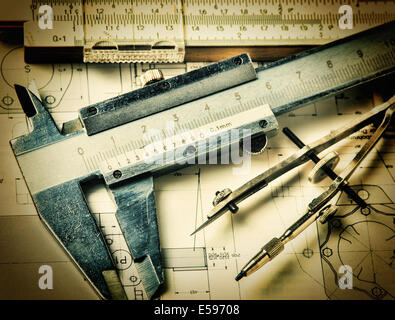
(204,266)
(22,194)
(364,239)
(182,259)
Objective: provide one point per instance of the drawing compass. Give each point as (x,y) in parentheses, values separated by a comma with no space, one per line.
(319,207)
(227,200)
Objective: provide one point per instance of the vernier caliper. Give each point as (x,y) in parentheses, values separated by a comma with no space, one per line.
(127,140)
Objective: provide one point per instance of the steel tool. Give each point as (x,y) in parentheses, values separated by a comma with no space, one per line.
(318,207)
(191,30)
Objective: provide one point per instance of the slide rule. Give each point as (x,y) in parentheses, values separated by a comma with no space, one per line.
(190,30)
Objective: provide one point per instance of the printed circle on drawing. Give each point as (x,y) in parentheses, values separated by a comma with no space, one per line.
(122,259)
(7,100)
(14,70)
(49,99)
(327,252)
(308,253)
(377,292)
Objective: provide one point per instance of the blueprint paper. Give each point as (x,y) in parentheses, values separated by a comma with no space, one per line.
(204,266)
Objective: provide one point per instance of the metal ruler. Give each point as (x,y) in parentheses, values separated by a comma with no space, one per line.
(186,115)
(164,30)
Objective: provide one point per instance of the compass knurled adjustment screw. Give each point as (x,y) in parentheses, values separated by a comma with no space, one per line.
(273,247)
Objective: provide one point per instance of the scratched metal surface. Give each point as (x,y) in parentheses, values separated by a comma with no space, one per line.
(136,213)
(75,227)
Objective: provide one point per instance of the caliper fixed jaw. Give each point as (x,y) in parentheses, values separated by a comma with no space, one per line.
(64,209)
(61,207)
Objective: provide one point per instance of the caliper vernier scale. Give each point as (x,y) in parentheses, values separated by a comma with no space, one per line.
(183,113)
